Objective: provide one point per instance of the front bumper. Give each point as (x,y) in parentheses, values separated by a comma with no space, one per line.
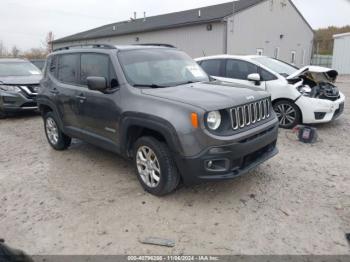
(17,102)
(329,110)
(231,160)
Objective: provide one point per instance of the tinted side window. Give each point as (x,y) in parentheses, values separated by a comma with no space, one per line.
(94,65)
(212,67)
(239,69)
(52,65)
(68,68)
(266,76)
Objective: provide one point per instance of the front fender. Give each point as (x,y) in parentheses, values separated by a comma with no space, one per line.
(160,125)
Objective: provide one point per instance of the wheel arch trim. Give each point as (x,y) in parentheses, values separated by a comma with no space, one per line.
(46,102)
(142,120)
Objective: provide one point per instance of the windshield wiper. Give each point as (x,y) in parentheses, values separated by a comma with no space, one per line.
(149,85)
(187,82)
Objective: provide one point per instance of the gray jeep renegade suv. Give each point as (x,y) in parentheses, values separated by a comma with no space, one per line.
(155,105)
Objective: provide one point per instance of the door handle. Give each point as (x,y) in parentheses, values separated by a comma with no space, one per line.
(54,91)
(81,98)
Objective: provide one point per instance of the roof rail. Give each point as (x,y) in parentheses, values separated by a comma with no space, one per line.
(157,44)
(103,46)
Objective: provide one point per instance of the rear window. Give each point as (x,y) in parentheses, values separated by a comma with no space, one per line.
(18,69)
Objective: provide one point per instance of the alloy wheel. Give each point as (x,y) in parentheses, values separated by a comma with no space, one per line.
(148,166)
(52,131)
(286,114)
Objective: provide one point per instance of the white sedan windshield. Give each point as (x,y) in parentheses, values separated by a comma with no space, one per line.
(277,66)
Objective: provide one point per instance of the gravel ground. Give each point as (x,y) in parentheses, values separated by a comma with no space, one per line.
(88,201)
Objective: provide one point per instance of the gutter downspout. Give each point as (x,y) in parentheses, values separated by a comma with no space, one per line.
(228,25)
(225,47)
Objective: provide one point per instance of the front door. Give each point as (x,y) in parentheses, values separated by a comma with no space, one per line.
(99,112)
(237,71)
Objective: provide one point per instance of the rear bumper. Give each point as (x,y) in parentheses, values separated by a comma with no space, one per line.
(229,161)
(17,102)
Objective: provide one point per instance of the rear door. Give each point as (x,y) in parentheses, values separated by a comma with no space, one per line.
(64,88)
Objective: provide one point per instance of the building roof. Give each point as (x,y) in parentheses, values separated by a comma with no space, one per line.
(189,17)
(341,35)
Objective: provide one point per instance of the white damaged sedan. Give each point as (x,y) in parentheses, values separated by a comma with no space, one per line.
(306,95)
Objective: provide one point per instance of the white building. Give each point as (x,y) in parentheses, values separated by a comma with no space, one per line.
(271,27)
(341,53)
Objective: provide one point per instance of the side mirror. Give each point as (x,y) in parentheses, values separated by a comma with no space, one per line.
(254,78)
(97,83)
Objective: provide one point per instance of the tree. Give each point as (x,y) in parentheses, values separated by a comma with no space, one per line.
(324,39)
(36,53)
(15,51)
(3,50)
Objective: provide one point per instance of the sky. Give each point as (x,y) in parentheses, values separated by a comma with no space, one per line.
(25,23)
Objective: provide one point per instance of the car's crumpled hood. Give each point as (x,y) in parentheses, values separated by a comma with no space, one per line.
(328,72)
(21,80)
(209,96)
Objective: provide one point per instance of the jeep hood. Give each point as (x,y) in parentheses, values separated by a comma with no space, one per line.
(21,80)
(330,74)
(209,96)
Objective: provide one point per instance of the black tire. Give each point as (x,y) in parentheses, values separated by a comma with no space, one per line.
(169,175)
(2,114)
(63,141)
(288,114)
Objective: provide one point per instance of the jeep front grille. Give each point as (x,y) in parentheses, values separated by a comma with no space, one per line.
(246,115)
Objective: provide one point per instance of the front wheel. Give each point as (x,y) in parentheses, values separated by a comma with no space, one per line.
(2,114)
(155,167)
(56,138)
(288,114)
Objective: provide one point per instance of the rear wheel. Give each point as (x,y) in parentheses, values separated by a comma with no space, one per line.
(155,167)
(288,114)
(54,135)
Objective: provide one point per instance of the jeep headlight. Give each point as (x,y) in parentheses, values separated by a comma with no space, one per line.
(8,88)
(214,120)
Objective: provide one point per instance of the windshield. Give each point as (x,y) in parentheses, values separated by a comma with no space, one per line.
(277,66)
(160,68)
(18,69)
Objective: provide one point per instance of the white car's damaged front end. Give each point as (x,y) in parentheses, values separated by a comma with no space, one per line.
(320,99)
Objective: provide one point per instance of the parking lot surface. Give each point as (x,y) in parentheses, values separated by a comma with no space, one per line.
(88,201)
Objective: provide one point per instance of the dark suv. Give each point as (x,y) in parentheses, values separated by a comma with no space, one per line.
(155,105)
(19,85)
